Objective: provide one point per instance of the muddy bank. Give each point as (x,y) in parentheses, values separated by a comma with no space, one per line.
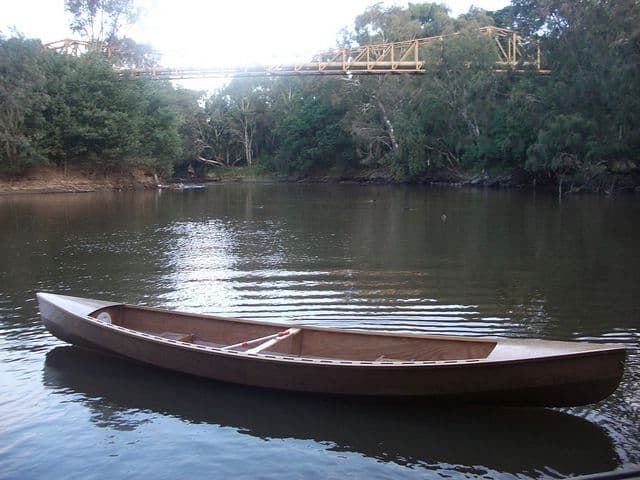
(53,180)
(56,180)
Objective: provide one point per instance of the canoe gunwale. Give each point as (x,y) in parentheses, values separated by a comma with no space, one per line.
(274,357)
(317,361)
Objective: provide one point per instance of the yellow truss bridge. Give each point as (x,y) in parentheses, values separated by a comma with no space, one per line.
(406,57)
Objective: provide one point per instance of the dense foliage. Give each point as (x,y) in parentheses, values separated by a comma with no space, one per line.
(78,110)
(573,125)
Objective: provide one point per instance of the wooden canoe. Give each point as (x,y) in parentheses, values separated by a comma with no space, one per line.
(342,362)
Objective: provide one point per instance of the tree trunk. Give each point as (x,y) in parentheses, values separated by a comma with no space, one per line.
(473,127)
(247,145)
(389,125)
(560,188)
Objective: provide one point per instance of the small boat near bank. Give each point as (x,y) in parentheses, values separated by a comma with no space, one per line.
(342,362)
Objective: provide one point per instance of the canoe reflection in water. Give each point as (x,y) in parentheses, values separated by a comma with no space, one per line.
(514,441)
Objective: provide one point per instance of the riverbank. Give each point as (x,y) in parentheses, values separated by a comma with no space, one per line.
(51,179)
(604,183)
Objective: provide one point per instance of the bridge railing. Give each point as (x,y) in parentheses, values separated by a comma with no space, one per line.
(405,57)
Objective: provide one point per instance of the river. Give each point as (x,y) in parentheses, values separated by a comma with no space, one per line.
(399,258)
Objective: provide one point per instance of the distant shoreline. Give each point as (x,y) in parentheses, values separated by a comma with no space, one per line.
(55,180)
(607,183)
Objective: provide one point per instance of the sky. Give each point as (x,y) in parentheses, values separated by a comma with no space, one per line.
(198,33)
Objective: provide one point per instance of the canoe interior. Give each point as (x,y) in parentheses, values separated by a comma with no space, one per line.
(308,342)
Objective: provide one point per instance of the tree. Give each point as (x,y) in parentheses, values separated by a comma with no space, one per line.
(247,115)
(592,48)
(157,125)
(100,20)
(242,112)
(311,136)
(100,120)
(22,101)
(127,53)
(378,24)
(191,120)
(214,137)
(367,120)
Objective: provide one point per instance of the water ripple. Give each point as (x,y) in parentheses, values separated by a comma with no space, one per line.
(503,264)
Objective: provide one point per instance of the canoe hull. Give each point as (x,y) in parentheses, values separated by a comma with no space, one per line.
(564,380)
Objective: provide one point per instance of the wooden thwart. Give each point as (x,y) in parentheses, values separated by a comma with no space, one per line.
(179,337)
(267,341)
(273,341)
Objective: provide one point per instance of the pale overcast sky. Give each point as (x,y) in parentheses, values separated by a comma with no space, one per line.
(211,32)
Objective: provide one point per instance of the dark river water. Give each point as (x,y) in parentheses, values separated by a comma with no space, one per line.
(442,261)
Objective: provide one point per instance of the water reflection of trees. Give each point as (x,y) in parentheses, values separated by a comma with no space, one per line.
(537,267)
(123,396)
(85,244)
(520,264)
(499,263)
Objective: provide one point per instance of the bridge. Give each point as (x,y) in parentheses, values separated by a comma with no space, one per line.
(513,53)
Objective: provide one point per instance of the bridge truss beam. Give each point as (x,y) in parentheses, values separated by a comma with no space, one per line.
(406,57)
